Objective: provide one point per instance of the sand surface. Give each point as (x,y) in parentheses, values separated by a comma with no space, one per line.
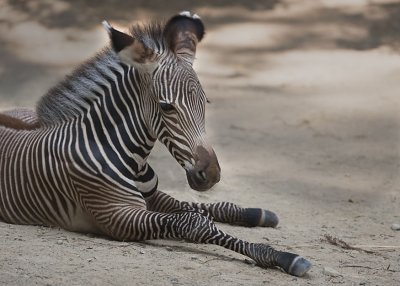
(305,119)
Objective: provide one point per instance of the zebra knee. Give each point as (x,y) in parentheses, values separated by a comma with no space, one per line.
(196,227)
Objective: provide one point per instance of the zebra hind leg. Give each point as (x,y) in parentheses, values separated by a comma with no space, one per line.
(222,212)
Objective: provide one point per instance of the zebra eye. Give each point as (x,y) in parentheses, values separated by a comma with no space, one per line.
(166,106)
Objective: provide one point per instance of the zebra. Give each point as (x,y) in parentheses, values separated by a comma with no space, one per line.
(80,160)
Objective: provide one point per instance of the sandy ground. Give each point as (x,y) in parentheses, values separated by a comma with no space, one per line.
(305,119)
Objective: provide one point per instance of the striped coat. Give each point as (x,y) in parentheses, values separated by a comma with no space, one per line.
(80,161)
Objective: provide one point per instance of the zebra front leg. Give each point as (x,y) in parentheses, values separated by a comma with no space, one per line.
(130,224)
(230,213)
(222,212)
(197,228)
(200,229)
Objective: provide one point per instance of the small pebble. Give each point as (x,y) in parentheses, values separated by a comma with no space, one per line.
(331,272)
(91,259)
(194,258)
(395,226)
(142,252)
(168,248)
(59,242)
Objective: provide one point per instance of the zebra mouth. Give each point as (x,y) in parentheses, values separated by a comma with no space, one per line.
(206,172)
(200,180)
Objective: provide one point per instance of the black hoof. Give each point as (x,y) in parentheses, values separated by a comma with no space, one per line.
(268,219)
(259,217)
(299,266)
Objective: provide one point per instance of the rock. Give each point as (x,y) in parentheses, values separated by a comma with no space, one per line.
(395,226)
(331,272)
(168,248)
(59,242)
(142,252)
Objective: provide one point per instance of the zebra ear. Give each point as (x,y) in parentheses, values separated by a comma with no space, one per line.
(182,33)
(131,51)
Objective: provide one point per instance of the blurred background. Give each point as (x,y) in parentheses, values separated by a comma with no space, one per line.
(305,113)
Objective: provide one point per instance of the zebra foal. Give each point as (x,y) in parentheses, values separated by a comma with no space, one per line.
(80,161)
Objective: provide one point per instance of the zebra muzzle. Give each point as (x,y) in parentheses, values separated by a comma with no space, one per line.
(207,172)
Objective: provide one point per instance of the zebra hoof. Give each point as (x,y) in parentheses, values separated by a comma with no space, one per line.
(268,219)
(258,217)
(299,266)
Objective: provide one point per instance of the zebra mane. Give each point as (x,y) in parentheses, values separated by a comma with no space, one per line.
(73,95)
(151,35)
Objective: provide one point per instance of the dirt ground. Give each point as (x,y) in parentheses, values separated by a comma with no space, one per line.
(305,119)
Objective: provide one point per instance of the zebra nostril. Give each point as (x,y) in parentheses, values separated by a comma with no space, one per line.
(201,175)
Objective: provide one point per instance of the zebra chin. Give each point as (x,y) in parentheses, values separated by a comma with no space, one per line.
(206,172)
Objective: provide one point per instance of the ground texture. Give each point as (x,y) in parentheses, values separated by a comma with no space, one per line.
(305,119)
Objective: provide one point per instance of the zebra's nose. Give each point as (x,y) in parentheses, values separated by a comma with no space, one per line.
(206,173)
(201,175)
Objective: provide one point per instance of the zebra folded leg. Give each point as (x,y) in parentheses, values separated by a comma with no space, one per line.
(222,212)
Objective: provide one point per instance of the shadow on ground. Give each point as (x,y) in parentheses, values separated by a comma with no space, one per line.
(380,21)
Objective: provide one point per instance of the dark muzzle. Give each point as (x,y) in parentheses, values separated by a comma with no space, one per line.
(206,173)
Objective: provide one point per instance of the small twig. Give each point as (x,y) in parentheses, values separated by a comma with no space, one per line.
(378,246)
(341,243)
(390,270)
(367,267)
(357,266)
(209,260)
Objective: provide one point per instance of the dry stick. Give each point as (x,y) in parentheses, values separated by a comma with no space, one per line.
(338,242)
(367,267)
(378,246)
(356,266)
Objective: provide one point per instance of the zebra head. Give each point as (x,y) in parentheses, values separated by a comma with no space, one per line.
(176,97)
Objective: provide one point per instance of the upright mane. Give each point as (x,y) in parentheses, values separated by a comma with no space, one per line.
(73,95)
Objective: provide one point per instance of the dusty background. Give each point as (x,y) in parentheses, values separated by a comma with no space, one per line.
(305,118)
